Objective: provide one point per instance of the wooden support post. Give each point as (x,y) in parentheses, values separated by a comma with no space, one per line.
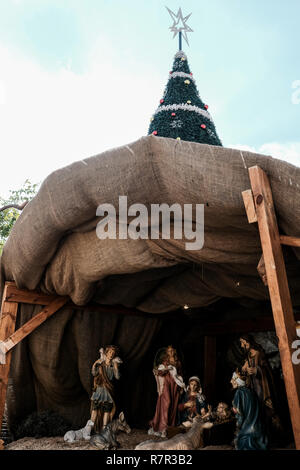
(210,363)
(7,327)
(279,290)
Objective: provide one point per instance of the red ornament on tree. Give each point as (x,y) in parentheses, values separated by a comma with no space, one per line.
(173,114)
(154,132)
(206,106)
(161,101)
(203,126)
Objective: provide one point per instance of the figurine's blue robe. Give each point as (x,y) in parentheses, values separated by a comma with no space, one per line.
(250,430)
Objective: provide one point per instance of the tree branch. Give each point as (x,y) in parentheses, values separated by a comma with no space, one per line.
(15,206)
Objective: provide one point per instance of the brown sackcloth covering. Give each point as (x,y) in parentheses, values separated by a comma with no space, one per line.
(54,246)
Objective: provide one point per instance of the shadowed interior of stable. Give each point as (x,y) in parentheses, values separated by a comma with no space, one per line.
(188,330)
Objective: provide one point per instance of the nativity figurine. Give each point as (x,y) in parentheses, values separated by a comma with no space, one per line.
(192,403)
(250,432)
(222,413)
(105,371)
(170,385)
(256,366)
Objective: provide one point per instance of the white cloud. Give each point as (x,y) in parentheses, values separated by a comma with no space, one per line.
(50,119)
(289,152)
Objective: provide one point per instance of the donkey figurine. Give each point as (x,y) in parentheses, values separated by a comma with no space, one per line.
(106,439)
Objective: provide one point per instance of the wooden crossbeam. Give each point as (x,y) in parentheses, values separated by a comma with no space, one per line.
(291,241)
(25,296)
(38,298)
(285,324)
(32,324)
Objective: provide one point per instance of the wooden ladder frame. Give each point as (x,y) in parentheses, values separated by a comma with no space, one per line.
(260,208)
(12,296)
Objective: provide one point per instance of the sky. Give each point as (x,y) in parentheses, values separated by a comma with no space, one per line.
(78,77)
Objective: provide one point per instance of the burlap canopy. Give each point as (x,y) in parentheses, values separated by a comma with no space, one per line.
(54,246)
(54,243)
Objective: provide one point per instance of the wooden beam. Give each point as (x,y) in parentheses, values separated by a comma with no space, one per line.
(13,294)
(7,326)
(279,290)
(291,241)
(249,206)
(32,324)
(210,363)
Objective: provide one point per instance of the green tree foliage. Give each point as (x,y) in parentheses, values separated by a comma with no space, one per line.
(9,216)
(181,113)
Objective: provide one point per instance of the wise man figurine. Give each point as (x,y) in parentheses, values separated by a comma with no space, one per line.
(105,371)
(250,432)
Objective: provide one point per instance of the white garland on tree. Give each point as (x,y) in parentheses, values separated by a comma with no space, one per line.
(184,107)
(181,74)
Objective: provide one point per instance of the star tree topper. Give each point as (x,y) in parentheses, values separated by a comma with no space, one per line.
(179,25)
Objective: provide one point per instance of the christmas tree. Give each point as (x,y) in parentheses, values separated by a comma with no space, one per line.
(181,113)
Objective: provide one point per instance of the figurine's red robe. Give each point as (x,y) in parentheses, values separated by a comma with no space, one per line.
(167,402)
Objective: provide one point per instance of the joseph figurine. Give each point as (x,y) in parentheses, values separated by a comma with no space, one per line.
(105,370)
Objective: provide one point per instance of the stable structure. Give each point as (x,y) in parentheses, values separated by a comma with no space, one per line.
(260,208)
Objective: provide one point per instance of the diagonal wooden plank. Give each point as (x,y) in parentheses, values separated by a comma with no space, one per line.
(279,291)
(32,324)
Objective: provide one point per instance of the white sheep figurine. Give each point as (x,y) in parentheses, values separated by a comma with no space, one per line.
(83,433)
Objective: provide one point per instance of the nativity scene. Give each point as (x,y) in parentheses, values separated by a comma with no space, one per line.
(153,341)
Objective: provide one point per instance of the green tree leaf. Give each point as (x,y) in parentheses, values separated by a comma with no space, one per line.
(9,216)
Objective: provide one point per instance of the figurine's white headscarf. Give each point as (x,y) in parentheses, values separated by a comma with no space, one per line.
(196,378)
(240,382)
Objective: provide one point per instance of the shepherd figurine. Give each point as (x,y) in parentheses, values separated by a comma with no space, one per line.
(105,371)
